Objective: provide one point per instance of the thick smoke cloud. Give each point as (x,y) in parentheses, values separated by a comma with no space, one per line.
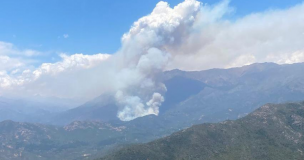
(189,36)
(134,106)
(144,55)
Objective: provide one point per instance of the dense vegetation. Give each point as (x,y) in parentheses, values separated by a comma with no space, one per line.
(273,132)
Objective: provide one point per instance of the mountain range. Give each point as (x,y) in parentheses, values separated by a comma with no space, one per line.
(93,129)
(208,96)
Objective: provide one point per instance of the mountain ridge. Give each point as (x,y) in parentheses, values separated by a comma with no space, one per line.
(272,132)
(267,78)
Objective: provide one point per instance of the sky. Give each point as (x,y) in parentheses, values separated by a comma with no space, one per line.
(84,49)
(90,27)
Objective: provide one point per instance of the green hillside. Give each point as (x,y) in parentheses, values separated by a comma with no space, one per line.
(273,132)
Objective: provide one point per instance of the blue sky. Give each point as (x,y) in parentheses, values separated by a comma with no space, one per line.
(94,26)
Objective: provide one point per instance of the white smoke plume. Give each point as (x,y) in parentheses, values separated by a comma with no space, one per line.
(134,107)
(189,36)
(144,55)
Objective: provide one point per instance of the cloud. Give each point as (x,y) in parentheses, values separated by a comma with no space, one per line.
(65,36)
(270,36)
(295,57)
(10,49)
(189,36)
(61,79)
(8,63)
(12,57)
